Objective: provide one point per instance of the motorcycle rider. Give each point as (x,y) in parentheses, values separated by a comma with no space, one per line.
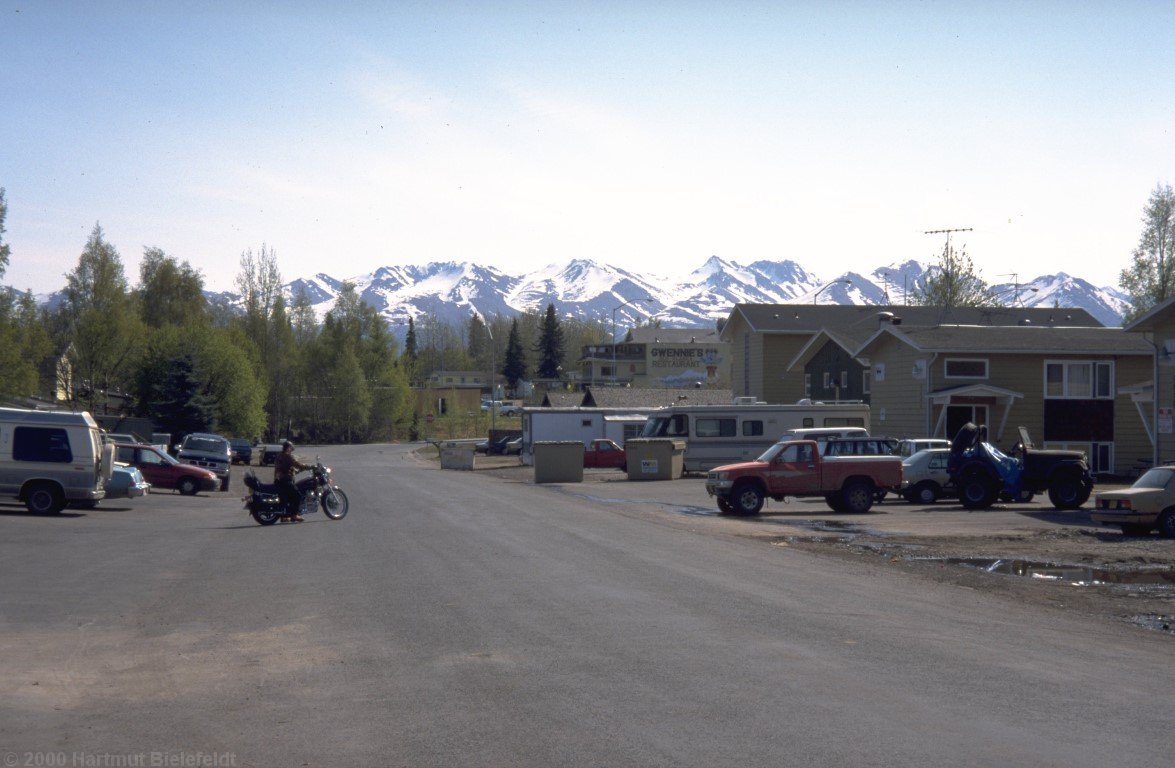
(285,466)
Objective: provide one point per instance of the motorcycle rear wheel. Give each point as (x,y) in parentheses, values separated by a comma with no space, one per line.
(266,516)
(335,503)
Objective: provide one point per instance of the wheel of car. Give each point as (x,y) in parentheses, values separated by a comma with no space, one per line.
(1167,524)
(747,499)
(857,497)
(187,487)
(1135,529)
(925,492)
(834,501)
(724,506)
(977,491)
(44,499)
(1067,492)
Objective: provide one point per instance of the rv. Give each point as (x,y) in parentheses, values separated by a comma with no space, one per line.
(727,434)
(52,458)
(583,424)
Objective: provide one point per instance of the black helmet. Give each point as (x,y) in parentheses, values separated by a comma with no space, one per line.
(287,445)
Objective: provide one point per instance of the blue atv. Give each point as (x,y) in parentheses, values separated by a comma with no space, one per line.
(984,473)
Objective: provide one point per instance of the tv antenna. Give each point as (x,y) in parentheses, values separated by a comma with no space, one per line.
(946,232)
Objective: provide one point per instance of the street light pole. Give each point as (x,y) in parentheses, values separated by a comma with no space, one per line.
(826,286)
(620,306)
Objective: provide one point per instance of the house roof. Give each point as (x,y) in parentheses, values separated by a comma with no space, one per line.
(647,397)
(1016,340)
(856,320)
(1149,320)
(817,342)
(647,335)
(552,399)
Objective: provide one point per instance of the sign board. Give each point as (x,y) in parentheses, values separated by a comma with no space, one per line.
(1167,420)
(650,466)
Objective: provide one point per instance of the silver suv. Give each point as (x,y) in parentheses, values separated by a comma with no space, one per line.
(209,451)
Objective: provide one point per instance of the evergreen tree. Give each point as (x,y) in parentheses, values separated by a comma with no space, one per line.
(1150,278)
(5,251)
(180,406)
(514,366)
(550,347)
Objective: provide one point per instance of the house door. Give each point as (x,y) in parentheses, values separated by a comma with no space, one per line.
(958,415)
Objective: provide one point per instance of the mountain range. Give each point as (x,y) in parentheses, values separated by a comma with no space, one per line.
(588,290)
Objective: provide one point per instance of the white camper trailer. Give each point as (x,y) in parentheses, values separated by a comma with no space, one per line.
(584,424)
(726,434)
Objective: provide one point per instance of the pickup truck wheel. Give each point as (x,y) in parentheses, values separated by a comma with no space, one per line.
(925,492)
(747,499)
(1067,492)
(857,497)
(834,501)
(977,491)
(44,499)
(225,481)
(724,506)
(1167,524)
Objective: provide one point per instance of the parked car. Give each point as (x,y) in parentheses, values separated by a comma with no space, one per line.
(603,452)
(496,447)
(126,482)
(1141,508)
(162,471)
(209,451)
(49,459)
(925,479)
(242,450)
(910,446)
(512,447)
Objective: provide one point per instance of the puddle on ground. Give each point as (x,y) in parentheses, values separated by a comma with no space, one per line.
(697,511)
(1155,621)
(1075,575)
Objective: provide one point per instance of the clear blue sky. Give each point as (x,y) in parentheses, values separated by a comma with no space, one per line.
(649,135)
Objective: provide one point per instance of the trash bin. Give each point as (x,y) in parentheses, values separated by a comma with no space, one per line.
(655,458)
(558,462)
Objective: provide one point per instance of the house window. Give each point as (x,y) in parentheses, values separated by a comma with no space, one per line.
(963,368)
(1085,380)
(844,379)
(827,380)
(807,385)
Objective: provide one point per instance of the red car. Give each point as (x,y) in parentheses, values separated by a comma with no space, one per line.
(605,453)
(162,471)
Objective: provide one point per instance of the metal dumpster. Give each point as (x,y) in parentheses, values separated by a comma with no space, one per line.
(655,458)
(558,462)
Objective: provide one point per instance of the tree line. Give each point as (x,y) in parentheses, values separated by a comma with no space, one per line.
(265,368)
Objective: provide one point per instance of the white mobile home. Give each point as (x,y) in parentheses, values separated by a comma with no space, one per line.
(540,425)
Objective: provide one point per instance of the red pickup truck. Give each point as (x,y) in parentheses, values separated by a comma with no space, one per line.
(796,468)
(604,453)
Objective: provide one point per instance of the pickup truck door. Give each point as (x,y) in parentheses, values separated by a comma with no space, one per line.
(794,471)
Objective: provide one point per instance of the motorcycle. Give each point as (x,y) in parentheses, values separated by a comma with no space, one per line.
(316,490)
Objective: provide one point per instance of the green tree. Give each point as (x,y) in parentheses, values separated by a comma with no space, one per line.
(409,358)
(514,365)
(954,283)
(170,292)
(5,251)
(24,345)
(1150,278)
(99,323)
(550,347)
(179,405)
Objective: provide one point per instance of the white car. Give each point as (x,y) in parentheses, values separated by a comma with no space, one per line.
(911,446)
(924,476)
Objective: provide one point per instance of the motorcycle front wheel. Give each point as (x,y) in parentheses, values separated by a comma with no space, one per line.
(335,504)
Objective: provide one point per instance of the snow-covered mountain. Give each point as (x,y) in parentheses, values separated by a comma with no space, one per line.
(590,290)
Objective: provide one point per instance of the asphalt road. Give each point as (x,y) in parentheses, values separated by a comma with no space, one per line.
(456,619)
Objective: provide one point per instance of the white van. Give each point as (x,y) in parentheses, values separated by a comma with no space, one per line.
(51,458)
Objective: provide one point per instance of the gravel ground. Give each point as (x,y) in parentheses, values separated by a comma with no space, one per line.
(1095,570)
